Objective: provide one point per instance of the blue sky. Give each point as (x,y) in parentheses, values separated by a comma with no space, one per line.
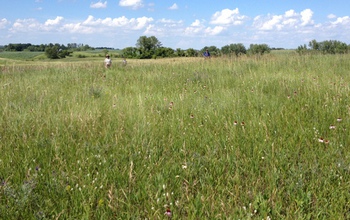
(176,24)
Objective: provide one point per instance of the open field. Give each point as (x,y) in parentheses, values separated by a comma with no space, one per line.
(226,138)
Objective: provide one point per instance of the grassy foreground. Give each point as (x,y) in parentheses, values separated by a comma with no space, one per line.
(245,138)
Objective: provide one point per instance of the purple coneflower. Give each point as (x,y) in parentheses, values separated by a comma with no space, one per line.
(168,212)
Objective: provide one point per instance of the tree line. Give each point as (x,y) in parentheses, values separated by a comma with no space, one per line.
(52,51)
(324,47)
(151,47)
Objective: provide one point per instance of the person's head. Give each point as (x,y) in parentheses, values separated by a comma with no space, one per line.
(107,56)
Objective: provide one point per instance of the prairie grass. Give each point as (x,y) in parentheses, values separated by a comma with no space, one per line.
(226,138)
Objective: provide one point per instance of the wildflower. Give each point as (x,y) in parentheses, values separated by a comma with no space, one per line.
(171,103)
(326,141)
(235,123)
(242,123)
(331,127)
(339,119)
(288,97)
(168,212)
(320,140)
(191,116)
(184,166)
(100,202)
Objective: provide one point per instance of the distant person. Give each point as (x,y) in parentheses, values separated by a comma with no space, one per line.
(206,54)
(124,61)
(108,61)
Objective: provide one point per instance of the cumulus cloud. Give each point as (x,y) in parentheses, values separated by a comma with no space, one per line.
(98,4)
(196,27)
(133,23)
(227,17)
(289,20)
(134,4)
(306,17)
(342,21)
(331,16)
(78,28)
(3,23)
(25,25)
(55,21)
(173,7)
(214,31)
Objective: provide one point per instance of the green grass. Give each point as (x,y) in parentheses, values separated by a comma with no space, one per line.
(20,55)
(82,142)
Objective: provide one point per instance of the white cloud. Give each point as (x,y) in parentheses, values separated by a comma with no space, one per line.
(290,13)
(195,28)
(140,23)
(214,31)
(306,17)
(290,20)
(173,7)
(99,4)
(78,28)
(55,21)
(3,23)
(274,22)
(133,23)
(227,17)
(23,24)
(342,21)
(331,16)
(134,4)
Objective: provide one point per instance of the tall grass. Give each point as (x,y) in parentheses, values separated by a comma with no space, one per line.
(226,138)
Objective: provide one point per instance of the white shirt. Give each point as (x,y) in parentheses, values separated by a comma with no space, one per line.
(108,61)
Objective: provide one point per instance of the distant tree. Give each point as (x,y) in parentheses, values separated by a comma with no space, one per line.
(191,52)
(56,51)
(213,50)
(325,47)
(235,49)
(314,45)
(302,49)
(259,49)
(180,53)
(147,46)
(130,52)
(164,52)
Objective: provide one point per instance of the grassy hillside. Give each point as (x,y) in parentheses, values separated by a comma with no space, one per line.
(242,138)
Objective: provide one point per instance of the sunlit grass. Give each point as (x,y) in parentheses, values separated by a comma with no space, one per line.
(238,138)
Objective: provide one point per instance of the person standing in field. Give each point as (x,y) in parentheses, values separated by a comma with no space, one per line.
(108,61)
(206,54)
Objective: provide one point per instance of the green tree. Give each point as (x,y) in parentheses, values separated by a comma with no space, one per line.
(259,49)
(180,53)
(130,52)
(191,52)
(164,52)
(236,49)
(56,51)
(302,49)
(147,46)
(213,50)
